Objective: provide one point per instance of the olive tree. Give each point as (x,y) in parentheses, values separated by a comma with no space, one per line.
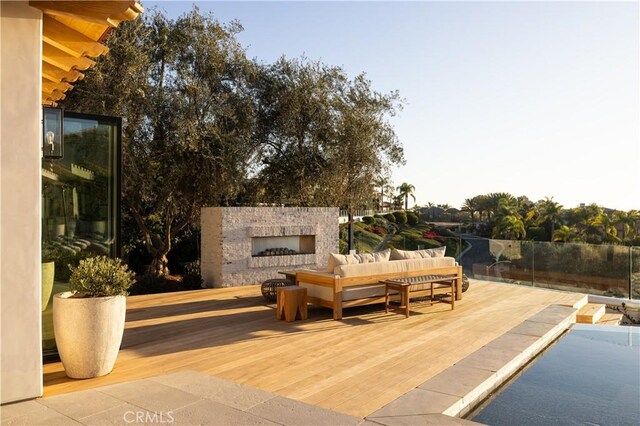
(324,138)
(183,88)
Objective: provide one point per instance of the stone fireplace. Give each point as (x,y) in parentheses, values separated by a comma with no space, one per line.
(247,245)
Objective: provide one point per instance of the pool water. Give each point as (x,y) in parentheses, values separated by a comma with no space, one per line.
(591,376)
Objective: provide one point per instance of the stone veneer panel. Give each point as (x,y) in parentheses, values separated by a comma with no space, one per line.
(226,241)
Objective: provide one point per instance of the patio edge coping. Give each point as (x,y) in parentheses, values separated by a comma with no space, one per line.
(456,390)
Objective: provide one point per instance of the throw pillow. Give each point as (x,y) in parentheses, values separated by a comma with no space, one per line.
(364,257)
(434,252)
(381,256)
(378,256)
(336,259)
(404,254)
(418,254)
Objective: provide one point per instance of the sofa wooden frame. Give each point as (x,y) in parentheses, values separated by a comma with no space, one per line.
(337,283)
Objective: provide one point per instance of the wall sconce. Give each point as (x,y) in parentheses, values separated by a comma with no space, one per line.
(52,135)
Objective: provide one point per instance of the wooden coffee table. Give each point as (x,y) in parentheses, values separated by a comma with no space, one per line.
(414,287)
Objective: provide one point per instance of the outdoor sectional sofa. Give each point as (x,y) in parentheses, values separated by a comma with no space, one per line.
(359,284)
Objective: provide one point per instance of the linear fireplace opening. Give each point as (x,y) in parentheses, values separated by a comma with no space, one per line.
(283,245)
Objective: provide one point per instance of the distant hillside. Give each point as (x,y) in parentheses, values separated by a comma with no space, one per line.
(380,233)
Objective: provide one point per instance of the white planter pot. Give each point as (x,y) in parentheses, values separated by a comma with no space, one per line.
(88,333)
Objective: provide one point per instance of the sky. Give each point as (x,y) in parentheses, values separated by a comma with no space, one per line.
(532,98)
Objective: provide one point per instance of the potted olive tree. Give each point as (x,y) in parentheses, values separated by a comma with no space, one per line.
(88,321)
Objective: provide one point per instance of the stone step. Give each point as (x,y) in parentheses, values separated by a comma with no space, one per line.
(590,313)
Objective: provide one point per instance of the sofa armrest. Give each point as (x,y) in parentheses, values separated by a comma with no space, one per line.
(325,279)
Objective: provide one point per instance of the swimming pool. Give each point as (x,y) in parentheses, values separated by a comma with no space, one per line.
(591,376)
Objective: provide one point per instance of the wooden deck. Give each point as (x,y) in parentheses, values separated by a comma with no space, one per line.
(354,366)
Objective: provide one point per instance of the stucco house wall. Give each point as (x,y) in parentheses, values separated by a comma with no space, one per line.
(20,195)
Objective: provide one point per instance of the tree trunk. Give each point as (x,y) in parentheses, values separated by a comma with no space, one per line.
(159,266)
(350,230)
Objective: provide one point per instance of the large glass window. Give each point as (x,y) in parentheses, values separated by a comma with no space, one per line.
(80,205)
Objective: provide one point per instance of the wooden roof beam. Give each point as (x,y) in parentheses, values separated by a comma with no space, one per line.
(54,96)
(49,86)
(68,40)
(56,75)
(109,13)
(56,57)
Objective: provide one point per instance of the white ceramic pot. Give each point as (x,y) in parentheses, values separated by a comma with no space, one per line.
(88,333)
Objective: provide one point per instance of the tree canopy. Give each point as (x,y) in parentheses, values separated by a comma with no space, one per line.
(324,138)
(203,126)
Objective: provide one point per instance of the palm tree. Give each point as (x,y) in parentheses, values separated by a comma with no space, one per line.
(483,205)
(510,226)
(628,221)
(493,200)
(383,182)
(405,190)
(509,222)
(471,205)
(609,225)
(564,234)
(634,220)
(397,202)
(549,212)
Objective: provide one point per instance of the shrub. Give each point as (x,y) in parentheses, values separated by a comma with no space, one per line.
(369,220)
(100,276)
(445,232)
(49,253)
(537,233)
(390,217)
(150,284)
(378,230)
(401,218)
(192,279)
(412,218)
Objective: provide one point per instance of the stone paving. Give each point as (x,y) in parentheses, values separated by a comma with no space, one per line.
(191,398)
(185,398)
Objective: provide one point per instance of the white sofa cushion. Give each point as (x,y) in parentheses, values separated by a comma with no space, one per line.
(431,262)
(336,260)
(417,254)
(363,269)
(377,256)
(396,267)
(363,291)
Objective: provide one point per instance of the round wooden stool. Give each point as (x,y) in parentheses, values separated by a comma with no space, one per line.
(292,300)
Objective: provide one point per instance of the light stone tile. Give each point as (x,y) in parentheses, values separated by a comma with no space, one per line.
(532,328)
(458,380)
(125,414)
(425,419)
(46,417)
(554,314)
(150,395)
(216,389)
(177,379)
(207,412)
(81,404)
(17,409)
(415,403)
(513,341)
(489,358)
(289,412)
